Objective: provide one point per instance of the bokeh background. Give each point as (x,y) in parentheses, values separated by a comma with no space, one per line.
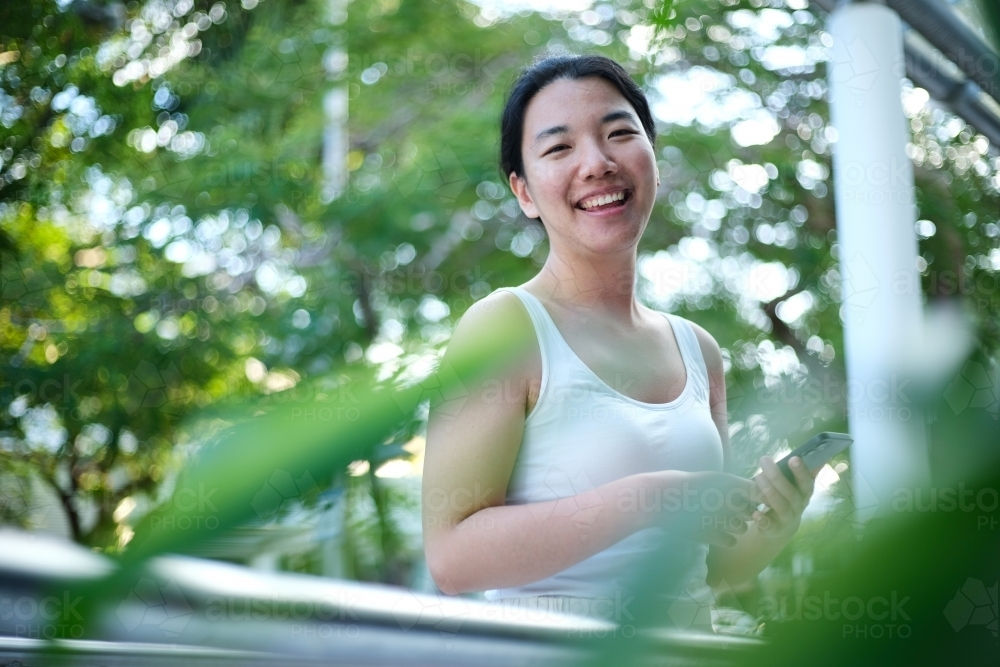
(207,205)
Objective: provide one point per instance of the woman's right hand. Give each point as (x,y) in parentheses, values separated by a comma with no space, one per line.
(706,506)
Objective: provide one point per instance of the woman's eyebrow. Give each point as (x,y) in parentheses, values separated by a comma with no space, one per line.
(560,129)
(617,115)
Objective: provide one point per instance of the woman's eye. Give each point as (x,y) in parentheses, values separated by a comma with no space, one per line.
(555,149)
(623,132)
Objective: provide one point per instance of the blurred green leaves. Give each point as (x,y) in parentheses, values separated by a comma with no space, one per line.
(184,259)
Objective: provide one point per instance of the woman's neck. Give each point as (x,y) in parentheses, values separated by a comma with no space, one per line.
(603,283)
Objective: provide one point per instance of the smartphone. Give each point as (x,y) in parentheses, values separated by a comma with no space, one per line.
(816,452)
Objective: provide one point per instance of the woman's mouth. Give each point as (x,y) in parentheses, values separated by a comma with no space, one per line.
(607,202)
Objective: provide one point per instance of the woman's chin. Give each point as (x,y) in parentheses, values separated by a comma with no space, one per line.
(610,242)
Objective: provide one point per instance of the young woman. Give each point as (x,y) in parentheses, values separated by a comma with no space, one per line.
(604,437)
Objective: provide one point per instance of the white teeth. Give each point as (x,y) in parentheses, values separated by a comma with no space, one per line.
(603,199)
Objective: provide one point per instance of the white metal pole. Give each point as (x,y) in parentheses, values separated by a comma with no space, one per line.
(335,108)
(877,245)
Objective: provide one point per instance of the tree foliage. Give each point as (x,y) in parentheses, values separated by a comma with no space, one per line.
(171,242)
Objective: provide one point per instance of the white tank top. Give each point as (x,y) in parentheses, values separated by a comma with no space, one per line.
(582,434)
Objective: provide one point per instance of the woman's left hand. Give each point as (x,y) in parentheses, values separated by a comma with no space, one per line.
(787,500)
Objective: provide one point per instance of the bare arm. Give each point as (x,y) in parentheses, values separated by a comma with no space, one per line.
(472,540)
(756,548)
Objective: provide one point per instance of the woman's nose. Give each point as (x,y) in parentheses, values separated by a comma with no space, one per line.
(596,163)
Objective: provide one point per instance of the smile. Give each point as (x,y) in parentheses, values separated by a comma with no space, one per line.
(605,202)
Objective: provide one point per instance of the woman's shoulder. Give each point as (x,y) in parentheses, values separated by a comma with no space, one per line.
(499,308)
(710,349)
(496,324)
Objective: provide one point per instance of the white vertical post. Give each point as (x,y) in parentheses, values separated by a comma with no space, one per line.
(335,108)
(877,245)
(335,144)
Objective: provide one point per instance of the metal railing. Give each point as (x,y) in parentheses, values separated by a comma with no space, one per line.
(949,61)
(192,612)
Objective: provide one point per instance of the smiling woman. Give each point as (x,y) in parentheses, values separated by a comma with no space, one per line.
(600,165)
(549,483)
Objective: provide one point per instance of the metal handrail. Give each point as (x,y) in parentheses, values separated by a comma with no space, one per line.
(949,79)
(942,27)
(303,619)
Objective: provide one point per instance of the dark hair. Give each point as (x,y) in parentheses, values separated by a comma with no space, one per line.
(542,73)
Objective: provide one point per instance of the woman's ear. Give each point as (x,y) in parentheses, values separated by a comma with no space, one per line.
(519,187)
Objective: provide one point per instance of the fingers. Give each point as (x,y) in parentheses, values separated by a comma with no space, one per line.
(728,524)
(786,499)
(740,497)
(737,526)
(717,537)
(771,493)
(716,527)
(778,480)
(797,493)
(804,478)
(723,540)
(735,494)
(764,522)
(715,508)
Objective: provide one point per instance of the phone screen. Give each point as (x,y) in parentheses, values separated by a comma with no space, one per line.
(817,451)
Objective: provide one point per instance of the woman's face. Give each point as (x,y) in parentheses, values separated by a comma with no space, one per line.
(590,171)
